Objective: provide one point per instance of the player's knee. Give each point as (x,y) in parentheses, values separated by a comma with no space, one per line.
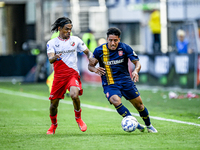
(53,106)
(115,101)
(139,107)
(74,96)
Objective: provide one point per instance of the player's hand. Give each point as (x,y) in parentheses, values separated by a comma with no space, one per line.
(100,71)
(92,61)
(57,57)
(135,76)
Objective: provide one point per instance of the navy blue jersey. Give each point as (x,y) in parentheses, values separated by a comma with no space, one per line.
(115,62)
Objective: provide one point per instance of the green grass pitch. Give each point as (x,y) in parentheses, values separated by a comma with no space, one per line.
(24,120)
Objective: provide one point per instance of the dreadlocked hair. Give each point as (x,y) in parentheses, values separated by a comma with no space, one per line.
(60,22)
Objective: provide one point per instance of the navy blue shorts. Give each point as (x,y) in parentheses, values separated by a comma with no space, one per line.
(126,89)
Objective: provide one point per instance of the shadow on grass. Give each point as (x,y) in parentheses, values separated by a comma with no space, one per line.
(94,134)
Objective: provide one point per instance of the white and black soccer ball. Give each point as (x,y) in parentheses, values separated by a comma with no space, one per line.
(129,123)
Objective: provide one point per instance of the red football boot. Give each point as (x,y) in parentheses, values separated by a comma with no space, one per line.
(80,122)
(52,129)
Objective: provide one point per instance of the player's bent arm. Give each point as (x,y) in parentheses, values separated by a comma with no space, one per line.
(92,64)
(137,66)
(52,57)
(90,57)
(136,70)
(91,67)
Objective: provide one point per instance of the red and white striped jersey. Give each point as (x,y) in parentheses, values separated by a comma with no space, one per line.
(67,66)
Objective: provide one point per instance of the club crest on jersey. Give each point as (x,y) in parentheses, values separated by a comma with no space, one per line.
(120,53)
(72,43)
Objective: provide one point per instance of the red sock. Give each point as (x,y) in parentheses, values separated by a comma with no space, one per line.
(53,119)
(77,113)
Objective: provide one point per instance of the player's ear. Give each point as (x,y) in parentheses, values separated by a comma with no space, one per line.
(119,39)
(59,28)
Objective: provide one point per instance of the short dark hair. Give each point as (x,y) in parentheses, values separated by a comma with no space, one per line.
(114,31)
(60,22)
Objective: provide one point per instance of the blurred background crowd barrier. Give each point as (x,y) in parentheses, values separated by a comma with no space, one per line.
(25,27)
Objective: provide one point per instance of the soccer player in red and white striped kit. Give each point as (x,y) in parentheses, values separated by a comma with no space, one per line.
(62,53)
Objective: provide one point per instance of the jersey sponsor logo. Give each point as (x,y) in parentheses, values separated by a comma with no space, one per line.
(51,96)
(72,43)
(67,51)
(120,53)
(114,62)
(47,46)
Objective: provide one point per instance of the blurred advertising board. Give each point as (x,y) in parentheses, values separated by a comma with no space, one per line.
(171,69)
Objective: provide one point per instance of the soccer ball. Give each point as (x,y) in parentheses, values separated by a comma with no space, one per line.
(129,123)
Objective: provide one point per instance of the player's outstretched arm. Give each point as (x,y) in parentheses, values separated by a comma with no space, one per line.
(52,57)
(136,71)
(88,53)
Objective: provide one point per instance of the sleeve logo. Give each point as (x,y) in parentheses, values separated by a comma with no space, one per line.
(47,46)
(134,53)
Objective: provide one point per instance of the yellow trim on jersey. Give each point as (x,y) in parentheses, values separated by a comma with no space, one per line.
(107,67)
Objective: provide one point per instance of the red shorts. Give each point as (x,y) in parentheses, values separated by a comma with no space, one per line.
(59,87)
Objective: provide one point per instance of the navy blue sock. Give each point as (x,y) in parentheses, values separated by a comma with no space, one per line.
(122,110)
(145,116)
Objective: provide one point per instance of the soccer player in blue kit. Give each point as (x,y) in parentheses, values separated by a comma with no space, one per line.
(116,81)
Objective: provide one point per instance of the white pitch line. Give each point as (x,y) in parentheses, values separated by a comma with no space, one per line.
(4,91)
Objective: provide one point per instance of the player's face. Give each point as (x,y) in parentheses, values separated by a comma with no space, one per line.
(113,41)
(65,31)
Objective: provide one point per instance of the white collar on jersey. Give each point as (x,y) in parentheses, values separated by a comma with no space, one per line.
(63,39)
